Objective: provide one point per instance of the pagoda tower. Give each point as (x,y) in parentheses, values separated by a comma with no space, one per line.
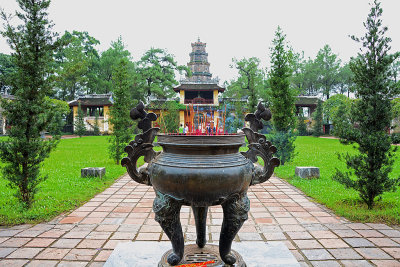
(199,63)
(199,92)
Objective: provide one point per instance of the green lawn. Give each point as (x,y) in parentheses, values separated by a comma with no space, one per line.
(322,153)
(64,189)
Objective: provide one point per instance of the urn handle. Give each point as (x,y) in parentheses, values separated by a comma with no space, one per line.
(259,146)
(141,146)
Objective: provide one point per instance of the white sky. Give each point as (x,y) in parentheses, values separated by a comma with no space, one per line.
(230,28)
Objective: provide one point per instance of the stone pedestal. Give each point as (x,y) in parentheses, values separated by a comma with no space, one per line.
(93,172)
(254,254)
(307,172)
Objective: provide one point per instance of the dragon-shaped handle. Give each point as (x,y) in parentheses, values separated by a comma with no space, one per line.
(141,146)
(259,145)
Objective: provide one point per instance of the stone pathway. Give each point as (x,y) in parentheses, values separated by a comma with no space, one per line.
(279,213)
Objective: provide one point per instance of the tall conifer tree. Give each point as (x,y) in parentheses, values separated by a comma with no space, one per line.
(119,113)
(24,151)
(372,113)
(282,98)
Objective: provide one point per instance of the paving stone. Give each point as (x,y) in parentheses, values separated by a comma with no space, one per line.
(72,264)
(53,254)
(15,242)
(325,264)
(345,254)
(323,234)
(358,242)
(302,244)
(4,233)
(52,234)
(346,233)
(25,253)
(91,243)
(6,251)
(299,235)
(390,233)
(317,254)
(66,243)
(70,220)
(369,233)
(13,263)
(99,235)
(356,263)
(394,252)
(76,234)
(373,253)
(386,263)
(29,233)
(333,243)
(80,254)
(42,263)
(40,242)
(103,255)
(249,237)
(384,242)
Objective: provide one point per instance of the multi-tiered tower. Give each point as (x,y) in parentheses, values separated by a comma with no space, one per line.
(199,90)
(199,63)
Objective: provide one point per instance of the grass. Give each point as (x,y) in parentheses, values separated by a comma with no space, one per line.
(322,153)
(64,189)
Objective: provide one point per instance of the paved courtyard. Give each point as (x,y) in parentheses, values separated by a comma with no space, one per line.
(279,213)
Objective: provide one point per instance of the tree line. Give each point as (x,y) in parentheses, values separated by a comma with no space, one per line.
(79,68)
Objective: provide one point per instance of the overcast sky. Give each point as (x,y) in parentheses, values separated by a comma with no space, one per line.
(231,29)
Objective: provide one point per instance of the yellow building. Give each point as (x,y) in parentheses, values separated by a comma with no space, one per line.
(89,105)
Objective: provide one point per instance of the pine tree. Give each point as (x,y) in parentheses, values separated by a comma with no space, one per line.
(301,124)
(96,128)
(24,151)
(372,113)
(282,98)
(119,113)
(79,122)
(318,120)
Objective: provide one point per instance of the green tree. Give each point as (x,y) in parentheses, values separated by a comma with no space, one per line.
(57,111)
(170,119)
(337,108)
(33,43)
(79,122)
(109,61)
(301,124)
(318,120)
(7,69)
(96,128)
(345,80)
(75,64)
(328,66)
(282,98)
(310,78)
(156,70)
(119,112)
(250,82)
(372,113)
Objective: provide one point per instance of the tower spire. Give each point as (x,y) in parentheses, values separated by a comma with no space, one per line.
(199,63)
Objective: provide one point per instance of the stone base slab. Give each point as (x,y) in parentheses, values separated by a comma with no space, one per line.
(149,253)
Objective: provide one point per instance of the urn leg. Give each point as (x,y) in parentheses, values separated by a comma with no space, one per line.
(235,214)
(167,211)
(200,217)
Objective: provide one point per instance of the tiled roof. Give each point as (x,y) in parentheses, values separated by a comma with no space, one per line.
(92,100)
(199,87)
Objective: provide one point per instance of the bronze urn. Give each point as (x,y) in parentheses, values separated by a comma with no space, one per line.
(200,171)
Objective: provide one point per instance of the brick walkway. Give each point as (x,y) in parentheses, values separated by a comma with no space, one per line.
(279,212)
